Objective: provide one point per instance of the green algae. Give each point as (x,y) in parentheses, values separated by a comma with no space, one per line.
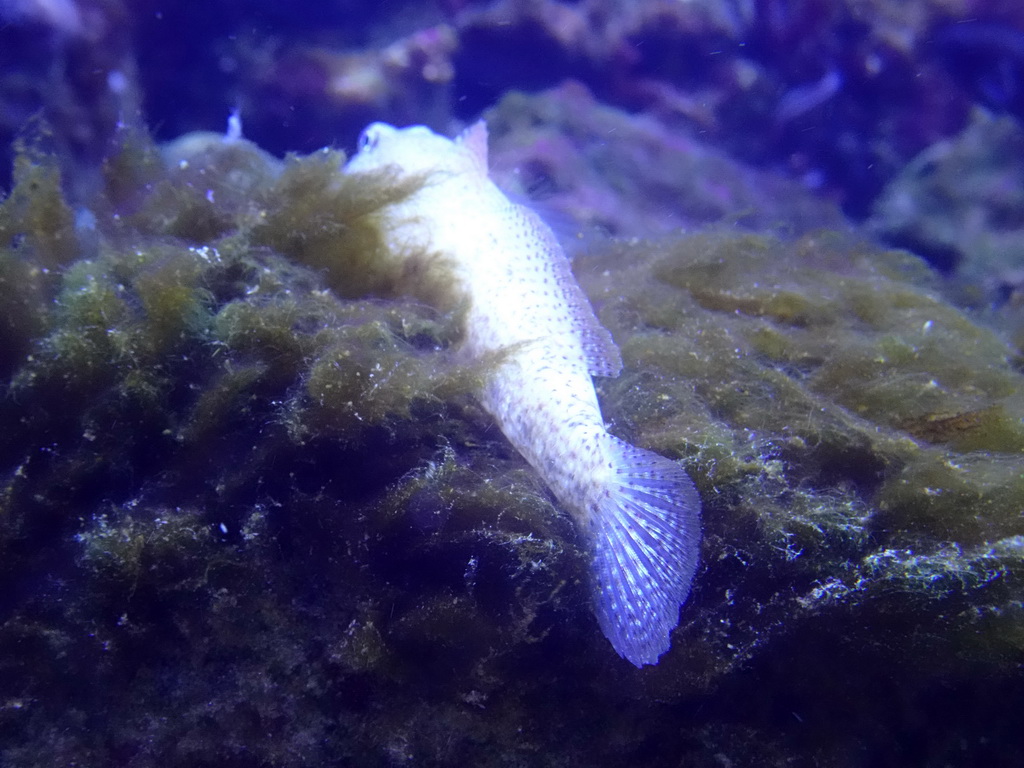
(861,437)
(256,469)
(324,220)
(22,312)
(35,212)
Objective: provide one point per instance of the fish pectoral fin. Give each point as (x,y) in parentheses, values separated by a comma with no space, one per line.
(646,543)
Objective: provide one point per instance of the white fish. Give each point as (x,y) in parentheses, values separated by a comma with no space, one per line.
(639,511)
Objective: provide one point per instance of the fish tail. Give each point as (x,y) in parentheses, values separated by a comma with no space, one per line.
(646,542)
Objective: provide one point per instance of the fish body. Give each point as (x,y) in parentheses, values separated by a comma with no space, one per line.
(524,310)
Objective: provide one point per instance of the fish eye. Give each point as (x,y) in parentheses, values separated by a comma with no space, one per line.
(367,139)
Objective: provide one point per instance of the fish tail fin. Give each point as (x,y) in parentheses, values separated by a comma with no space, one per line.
(646,541)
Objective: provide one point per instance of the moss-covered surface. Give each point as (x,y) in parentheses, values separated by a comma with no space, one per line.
(251,515)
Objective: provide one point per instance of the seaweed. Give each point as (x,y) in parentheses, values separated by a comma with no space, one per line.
(250,513)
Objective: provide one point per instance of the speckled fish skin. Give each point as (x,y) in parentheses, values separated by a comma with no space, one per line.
(639,511)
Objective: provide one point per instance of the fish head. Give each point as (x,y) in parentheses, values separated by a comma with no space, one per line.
(414,150)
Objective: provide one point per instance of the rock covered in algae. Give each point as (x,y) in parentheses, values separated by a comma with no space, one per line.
(628,174)
(251,514)
(959,204)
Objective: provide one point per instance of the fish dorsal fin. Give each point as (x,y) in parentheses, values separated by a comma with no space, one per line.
(474,139)
(601,353)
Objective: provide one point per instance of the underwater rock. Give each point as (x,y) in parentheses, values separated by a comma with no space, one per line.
(73,62)
(602,169)
(837,94)
(960,204)
(251,514)
(987,59)
(322,91)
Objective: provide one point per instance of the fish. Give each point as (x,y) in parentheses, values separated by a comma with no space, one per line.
(638,512)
